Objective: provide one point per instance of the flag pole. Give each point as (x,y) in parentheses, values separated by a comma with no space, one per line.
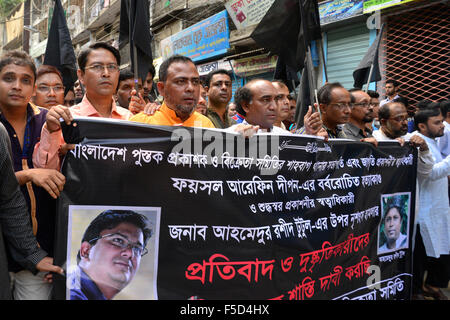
(132,47)
(370,76)
(322,52)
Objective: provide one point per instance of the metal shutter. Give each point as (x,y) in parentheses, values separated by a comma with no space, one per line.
(417,53)
(345,48)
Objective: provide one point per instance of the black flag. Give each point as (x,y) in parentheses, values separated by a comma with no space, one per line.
(286,74)
(135,30)
(306,92)
(59,52)
(280,30)
(369,64)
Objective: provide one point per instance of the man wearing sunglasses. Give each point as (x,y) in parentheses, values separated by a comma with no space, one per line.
(110,255)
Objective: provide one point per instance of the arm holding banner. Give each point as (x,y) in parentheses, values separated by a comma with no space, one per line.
(46,152)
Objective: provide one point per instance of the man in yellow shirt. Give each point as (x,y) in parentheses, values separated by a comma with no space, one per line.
(179,84)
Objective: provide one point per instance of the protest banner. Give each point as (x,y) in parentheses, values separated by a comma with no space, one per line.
(270,217)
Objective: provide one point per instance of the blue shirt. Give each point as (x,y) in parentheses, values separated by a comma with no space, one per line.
(82,287)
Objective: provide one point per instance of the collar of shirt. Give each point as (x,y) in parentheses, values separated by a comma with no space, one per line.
(356,131)
(86,109)
(331,134)
(217,120)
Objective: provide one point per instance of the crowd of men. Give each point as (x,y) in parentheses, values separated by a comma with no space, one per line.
(33,102)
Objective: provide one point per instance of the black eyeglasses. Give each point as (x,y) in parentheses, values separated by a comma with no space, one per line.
(362,104)
(342,105)
(120,241)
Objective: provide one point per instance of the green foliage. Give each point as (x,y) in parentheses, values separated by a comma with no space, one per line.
(6,6)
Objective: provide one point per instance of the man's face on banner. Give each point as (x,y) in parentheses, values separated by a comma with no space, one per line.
(392,225)
(115,257)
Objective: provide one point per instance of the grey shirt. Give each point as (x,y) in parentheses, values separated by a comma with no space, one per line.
(353,132)
(15,225)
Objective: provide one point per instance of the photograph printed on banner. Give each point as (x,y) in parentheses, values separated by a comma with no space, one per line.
(394,225)
(112,253)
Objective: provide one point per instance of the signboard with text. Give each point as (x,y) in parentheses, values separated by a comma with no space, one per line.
(270,217)
(206,39)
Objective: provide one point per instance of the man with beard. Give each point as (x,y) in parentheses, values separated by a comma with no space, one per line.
(433,231)
(220,89)
(99,73)
(110,255)
(361,115)
(179,84)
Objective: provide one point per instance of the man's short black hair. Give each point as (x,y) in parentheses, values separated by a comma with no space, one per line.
(242,95)
(82,58)
(422,115)
(445,107)
(125,74)
(373,94)
(109,219)
(152,70)
(324,92)
(166,64)
(210,75)
(18,58)
(394,82)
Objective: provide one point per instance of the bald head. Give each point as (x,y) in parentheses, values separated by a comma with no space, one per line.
(257,102)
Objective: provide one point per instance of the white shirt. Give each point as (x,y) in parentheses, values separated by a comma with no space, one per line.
(274,130)
(425,160)
(434,209)
(401,242)
(384,101)
(444,141)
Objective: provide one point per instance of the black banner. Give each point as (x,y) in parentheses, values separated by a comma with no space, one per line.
(271,217)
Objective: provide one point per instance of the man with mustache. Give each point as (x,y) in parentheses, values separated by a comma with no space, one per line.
(126,89)
(432,243)
(335,106)
(257,102)
(220,89)
(392,221)
(110,255)
(49,90)
(99,74)
(40,187)
(361,114)
(179,84)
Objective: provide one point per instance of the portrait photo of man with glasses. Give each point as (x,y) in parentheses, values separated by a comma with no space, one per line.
(117,246)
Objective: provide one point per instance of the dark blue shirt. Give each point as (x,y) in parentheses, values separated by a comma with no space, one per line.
(83,288)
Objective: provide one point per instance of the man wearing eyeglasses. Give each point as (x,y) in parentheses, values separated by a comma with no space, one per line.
(335,106)
(360,116)
(49,87)
(110,255)
(99,74)
(40,187)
